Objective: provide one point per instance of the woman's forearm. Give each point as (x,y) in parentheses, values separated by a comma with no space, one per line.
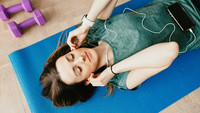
(97,7)
(154,56)
(106,13)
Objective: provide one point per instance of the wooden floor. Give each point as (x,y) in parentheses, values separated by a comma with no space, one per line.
(60,14)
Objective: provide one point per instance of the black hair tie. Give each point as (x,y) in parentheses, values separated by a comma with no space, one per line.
(112,70)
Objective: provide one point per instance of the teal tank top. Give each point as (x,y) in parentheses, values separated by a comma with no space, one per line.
(132,37)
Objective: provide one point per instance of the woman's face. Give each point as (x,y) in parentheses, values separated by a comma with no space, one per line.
(77,65)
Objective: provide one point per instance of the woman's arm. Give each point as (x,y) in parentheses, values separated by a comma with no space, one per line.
(105,7)
(98,7)
(138,76)
(105,14)
(143,65)
(156,56)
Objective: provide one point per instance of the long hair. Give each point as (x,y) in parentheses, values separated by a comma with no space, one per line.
(60,93)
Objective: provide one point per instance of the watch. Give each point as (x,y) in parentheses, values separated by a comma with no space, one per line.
(87,21)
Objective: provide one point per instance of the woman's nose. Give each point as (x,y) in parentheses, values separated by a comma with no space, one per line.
(80,59)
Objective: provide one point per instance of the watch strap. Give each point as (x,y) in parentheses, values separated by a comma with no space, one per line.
(86,21)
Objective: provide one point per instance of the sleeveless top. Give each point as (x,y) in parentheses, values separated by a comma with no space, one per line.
(132,37)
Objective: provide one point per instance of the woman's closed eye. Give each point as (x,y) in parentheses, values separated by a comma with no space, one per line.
(72,57)
(79,69)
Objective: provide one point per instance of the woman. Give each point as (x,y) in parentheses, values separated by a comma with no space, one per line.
(128,54)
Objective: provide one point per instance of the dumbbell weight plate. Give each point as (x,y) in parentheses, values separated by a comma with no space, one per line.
(3,14)
(26,4)
(13,27)
(38,16)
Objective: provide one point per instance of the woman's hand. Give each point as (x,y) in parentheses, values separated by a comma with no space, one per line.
(101,79)
(79,33)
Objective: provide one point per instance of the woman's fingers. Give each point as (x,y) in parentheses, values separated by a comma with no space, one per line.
(73,48)
(76,34)
(79,33)
(96,81)
(101,79)
(93,77)
(80,41)
(71,39)
(97,84)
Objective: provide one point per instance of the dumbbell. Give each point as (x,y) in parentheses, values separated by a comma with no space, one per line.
(16,29)
(25,5)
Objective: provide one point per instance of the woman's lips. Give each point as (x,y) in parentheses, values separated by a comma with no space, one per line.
(88,56)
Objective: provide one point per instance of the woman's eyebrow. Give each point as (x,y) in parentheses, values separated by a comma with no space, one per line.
(72,67)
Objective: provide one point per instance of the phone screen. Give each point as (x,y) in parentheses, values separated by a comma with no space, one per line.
(180,16)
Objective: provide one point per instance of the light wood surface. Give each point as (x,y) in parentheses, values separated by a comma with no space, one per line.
(59,14)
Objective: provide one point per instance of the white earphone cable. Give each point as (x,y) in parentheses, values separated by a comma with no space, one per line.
(155,32)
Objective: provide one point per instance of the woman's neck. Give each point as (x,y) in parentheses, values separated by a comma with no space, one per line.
(101,53)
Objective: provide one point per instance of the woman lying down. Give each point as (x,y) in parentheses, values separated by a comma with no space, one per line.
(122,51)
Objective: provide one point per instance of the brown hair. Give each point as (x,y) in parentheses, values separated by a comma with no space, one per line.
(60,93)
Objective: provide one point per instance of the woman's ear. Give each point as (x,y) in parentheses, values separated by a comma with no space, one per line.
(87,82)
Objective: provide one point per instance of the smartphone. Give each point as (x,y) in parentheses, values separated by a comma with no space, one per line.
(181,17)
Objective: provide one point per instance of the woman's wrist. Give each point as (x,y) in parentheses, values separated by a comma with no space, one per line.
(85,27)
(112,70)
(87,21)
(110,74)
(91,18)
(115,69)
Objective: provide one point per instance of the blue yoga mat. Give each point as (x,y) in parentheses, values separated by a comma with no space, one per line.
(155,94)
